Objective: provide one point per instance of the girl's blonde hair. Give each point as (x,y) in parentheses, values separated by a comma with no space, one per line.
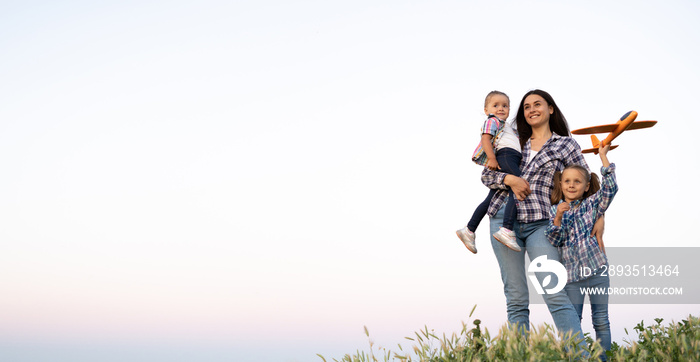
(592,178)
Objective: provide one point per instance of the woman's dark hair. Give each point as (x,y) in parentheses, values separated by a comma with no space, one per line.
(593,182)
(557,121)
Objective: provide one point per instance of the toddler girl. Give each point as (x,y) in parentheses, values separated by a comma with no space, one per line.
(499,149)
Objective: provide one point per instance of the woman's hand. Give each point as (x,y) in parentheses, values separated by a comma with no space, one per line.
(598,229)
(520,187)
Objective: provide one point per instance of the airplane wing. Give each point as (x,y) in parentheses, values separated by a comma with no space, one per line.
(641,124)
(596,129)
(595,150)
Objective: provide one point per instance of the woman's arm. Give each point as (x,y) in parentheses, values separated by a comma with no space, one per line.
(493,179)
(598,230)
(573,155)
(499,180)
(520,187)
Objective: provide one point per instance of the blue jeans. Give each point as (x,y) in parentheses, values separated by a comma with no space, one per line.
(509,160)
(530,237)
(599,305)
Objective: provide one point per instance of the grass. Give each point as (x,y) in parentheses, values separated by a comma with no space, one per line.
(677,341)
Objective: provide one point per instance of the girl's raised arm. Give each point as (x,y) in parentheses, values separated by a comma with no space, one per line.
(603,151)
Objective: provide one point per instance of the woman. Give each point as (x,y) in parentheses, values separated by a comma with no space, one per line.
(546,148)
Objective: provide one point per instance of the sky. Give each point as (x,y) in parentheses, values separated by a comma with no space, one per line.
(260,180)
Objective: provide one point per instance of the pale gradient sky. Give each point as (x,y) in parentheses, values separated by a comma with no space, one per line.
(258,180)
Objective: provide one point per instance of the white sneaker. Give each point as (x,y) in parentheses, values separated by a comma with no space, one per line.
(468,239)
(507,238)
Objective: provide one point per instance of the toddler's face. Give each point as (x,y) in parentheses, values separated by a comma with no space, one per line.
(499,106)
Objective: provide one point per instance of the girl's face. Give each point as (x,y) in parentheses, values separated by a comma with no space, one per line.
(573,184)
(536,110)
(499,106)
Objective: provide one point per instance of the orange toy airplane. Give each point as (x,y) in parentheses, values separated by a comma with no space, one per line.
(625,123)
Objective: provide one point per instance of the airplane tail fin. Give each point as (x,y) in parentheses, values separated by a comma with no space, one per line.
(596,143)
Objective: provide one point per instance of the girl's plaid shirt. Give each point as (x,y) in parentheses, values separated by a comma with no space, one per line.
(578,248)
(557,153)
(493,126)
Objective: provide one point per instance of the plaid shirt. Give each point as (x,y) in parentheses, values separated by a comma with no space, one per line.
(577,247)
(557,153)
(493,126)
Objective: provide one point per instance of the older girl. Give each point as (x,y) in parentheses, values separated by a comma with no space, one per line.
(578,200)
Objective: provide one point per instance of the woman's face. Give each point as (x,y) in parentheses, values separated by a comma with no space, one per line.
(536,110)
